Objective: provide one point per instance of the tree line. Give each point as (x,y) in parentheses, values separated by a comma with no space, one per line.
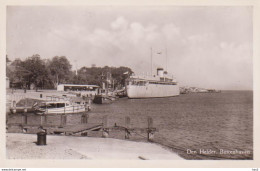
(37,73)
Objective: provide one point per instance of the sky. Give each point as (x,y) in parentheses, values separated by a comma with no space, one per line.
(207,47)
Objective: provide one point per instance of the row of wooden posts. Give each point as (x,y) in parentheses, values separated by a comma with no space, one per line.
(150,130)
(63,119)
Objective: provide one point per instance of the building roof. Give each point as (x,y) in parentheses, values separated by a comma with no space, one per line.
(78,85)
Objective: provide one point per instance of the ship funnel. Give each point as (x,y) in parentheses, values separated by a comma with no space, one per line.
(160,72)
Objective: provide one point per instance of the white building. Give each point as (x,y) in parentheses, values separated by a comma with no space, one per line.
(83,89)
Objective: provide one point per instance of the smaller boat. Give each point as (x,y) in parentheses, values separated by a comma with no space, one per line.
(101,99)
(61,107)
(105,96)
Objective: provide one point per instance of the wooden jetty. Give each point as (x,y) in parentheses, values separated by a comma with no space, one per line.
(84,128)
(149,130)
(63,128)
(81,130)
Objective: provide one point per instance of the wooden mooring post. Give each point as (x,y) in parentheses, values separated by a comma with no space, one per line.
(89,104)
(105,130)
(25,106)
(24,122)
(43,119)
(14,106)
(84,118)
(24,119)
(63,120)
(127,125)
(150,130)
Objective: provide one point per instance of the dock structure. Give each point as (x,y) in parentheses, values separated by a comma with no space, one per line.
(83,128)
(80,130)
(130,131)
(61,127)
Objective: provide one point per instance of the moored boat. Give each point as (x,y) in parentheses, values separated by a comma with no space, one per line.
(61,107)
(102,99)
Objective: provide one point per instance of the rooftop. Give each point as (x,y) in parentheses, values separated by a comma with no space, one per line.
(78,85)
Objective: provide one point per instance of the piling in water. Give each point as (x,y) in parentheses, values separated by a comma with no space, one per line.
(14,106)
(63,119)
(150,132)
(24,119)
(84,118)
(127,125)
(105,130)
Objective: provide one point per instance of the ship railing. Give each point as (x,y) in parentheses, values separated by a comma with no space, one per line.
(57,98)
(69,109)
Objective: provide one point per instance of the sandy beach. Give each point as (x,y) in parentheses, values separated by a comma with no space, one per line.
(23,146)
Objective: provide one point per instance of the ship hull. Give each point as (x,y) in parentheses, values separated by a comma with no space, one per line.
(152,91)
(62,110)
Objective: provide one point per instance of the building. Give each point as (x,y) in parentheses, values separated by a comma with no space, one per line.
(83,89)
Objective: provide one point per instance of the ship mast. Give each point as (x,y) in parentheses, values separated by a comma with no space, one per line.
(166,58)
(151,61)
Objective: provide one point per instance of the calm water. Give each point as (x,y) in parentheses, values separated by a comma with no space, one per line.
(210,121)
(199,121)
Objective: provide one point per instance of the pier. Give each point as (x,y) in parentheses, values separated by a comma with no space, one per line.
(81,126)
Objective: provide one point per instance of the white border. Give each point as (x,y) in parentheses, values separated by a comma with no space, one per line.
(132,163)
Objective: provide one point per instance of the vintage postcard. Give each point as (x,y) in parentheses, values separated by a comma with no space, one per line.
(172,84)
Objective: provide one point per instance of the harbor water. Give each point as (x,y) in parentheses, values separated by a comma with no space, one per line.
(198,121)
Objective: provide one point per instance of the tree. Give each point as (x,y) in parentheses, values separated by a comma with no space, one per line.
(34,71)
(16,74)
(59,69)
(120,77)
(49,73)
(7,60)
(97,75)
(9,71)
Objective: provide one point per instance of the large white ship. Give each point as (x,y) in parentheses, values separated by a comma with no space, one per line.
(160,85)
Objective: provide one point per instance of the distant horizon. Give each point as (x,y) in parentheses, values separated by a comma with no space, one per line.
(202,47)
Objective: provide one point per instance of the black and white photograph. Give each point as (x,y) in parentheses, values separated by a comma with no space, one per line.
(130,82)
